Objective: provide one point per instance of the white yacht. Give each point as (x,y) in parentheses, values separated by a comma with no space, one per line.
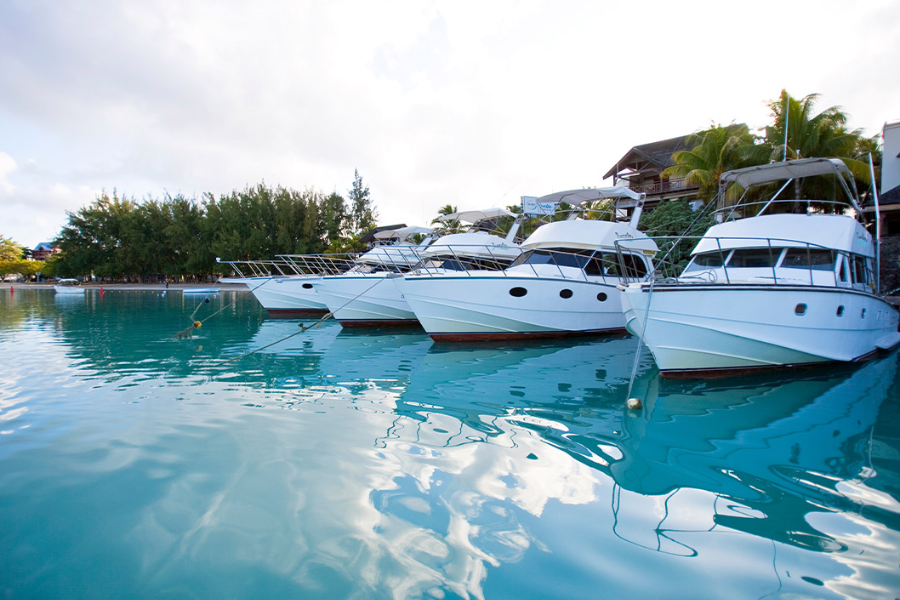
(68,286)
(283,286)
(773,289)
(366,296)
(564,283)
(273,283)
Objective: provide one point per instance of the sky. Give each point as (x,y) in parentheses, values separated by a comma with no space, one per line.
(473,104)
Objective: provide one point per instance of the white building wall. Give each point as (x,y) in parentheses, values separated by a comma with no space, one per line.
(890,169)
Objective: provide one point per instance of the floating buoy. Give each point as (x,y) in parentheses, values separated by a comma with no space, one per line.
(634,404)
(101,290)
(197,324)
(12,290)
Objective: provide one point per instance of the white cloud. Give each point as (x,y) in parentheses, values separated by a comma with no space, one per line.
(7,166)
(434,103)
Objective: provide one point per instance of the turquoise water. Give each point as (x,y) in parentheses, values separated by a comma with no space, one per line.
(381,465)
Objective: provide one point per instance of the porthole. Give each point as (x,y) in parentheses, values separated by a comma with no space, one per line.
(307,286)
(840,311)
(863,314)
(800,309)
(602,297)
(565,293)
(518,292)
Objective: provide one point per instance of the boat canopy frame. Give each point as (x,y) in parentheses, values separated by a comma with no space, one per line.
(787,171)
(587,195)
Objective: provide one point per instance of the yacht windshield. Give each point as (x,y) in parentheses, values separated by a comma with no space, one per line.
(462,263)
(707,260)
(807,258)
(365,268)
(754,257)
(591,262)
(560,258)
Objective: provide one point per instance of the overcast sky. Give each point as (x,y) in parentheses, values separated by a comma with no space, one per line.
(466,103)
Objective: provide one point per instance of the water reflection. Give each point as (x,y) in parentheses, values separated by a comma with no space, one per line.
(767,458)
(379,465)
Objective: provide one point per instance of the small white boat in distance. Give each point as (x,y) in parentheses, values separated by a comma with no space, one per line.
(564,283)
(68,286)
(768,290)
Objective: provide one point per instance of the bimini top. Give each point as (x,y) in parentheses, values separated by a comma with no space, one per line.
(589,235)
(837,232)
(473,243)
(576,197)
(401,233)
(473,216)
(792,169)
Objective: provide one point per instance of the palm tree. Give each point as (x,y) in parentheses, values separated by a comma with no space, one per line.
(814,135)
(714,151)
(443,211)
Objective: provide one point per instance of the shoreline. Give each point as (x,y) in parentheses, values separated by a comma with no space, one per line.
(156,287)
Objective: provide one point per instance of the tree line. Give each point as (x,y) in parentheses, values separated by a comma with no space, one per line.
(118,238)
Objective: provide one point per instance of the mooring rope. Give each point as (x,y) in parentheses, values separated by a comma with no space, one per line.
(189,331)
(303,328)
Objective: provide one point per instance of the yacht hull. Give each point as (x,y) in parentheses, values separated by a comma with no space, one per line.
(482,308)
(365,301)
(287,297)
(698,330)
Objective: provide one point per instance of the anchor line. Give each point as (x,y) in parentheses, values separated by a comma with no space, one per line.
(303,328)
(186,332)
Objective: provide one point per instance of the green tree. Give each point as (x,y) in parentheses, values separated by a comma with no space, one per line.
(671,220)
(362,212)
(447,209)
(810,135)
(10,250)
(20,266)
(94,240)
(188,239)
(333,218)
(714,151)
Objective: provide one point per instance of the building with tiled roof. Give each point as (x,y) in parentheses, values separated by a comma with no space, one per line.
(640,170)
(43,251)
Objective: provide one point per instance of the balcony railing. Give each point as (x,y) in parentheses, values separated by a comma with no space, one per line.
(660,187)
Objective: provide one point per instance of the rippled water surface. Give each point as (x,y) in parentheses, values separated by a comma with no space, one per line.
(378,464)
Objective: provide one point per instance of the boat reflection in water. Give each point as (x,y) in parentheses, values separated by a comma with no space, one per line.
(786,460)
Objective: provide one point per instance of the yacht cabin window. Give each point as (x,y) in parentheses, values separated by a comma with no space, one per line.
(591,262)
(707,260)
(754,257)
(843,271)
(808,258)
(462,263)
(860,270)
(365,268)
